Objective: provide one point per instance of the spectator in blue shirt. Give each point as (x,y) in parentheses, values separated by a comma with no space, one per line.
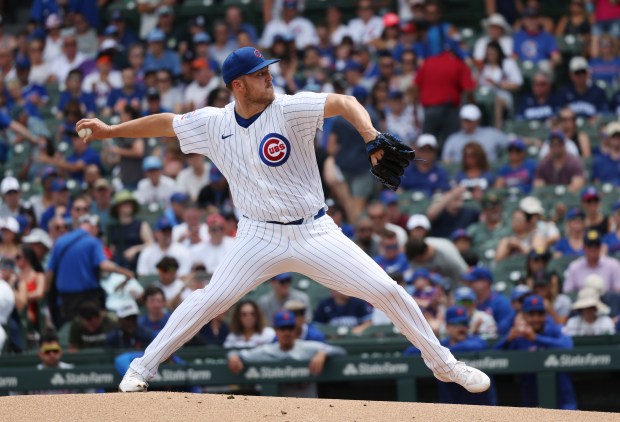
(519,171)
(60,200)
(534,43)
(571,244)
(459,340)
(153,103)
(343,310)
(129,334)
(88,8)
(391,257)
(612,239)
(537,331)
(74,264)
(74,91)
(235,20)
(158,57)
(583,96)
(130,94)
(494,303)
(541,103)
(304,330)
(41,9)
(156,315)
(606,167)
(126,37)
(76,162)
(426,175)
(606,67)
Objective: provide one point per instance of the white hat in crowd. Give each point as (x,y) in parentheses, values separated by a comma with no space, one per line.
(497,20)
(9,223)
(578,63)
(8,184)
(470,112)
(426,140)
(589,298)
(130,308)
(531,205)
(38,235)
(418,220)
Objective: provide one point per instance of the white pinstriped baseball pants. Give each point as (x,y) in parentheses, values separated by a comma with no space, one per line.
(317,249)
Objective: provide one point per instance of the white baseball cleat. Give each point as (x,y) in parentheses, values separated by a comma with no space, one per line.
(133,383)
(472,379)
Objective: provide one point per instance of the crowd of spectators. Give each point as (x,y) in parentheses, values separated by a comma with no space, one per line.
(109,238)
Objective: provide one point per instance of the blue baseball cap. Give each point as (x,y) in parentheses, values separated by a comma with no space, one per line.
(457,315)
(533,303)
(353,65)
(464,293)
(179,197)
(479,273)
(517,144)
(244,61)
(283,276)
(388,197)
(458,234)
(156,35)
(58,185)
(201,37)
(152,163)
(162,224)
(519,291)
(48,172)
(420,273)
(284,319)
(575,213)
(589,193)
(110,30)
(556,134)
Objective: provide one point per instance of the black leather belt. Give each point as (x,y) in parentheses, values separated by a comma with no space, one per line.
(318,215)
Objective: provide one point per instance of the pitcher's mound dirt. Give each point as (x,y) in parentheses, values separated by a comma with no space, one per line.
(214,407)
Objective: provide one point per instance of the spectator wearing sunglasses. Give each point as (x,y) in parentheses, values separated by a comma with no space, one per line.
(391,257)
(303,329)
(288,347)
(537,331)
(480,323)
(212,252)
(50,353)
(281,293)
(585,98)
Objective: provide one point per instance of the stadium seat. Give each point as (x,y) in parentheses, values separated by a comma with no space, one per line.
(508,271)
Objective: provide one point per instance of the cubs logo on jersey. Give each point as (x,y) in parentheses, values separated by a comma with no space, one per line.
(274,150)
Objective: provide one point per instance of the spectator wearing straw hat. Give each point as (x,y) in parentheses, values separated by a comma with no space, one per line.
(592,317)
(497,29)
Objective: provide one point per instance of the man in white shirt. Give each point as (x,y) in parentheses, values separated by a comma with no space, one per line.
(174,289)
(191,233)
(292,25)
(197,92)
(155,187)
(212,252)
(70,59)
(194,177)
(53,41)
(367,27)
(102,81)
(163,246)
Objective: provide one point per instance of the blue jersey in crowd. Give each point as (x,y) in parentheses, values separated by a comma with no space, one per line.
(118,94)
(564,247)
(499,307)
(41,9)
(588,104)
(521,176)
(77,271)
(88,156)
(613,243)
(396,265)
(169,61)
(606,170)
(86,99)
(351,314)
(605,70)
(534,46)
(154,326)
(430,182)
(550,338)
(5,121)
(531,109)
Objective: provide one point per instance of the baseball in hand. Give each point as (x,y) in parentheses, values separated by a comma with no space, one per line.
(85,132)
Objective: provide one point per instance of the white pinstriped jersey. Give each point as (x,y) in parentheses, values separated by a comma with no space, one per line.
(270,166)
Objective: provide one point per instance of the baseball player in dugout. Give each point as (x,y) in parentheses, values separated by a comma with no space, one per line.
(264,145)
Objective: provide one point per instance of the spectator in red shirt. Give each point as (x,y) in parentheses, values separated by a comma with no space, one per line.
(439,86)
